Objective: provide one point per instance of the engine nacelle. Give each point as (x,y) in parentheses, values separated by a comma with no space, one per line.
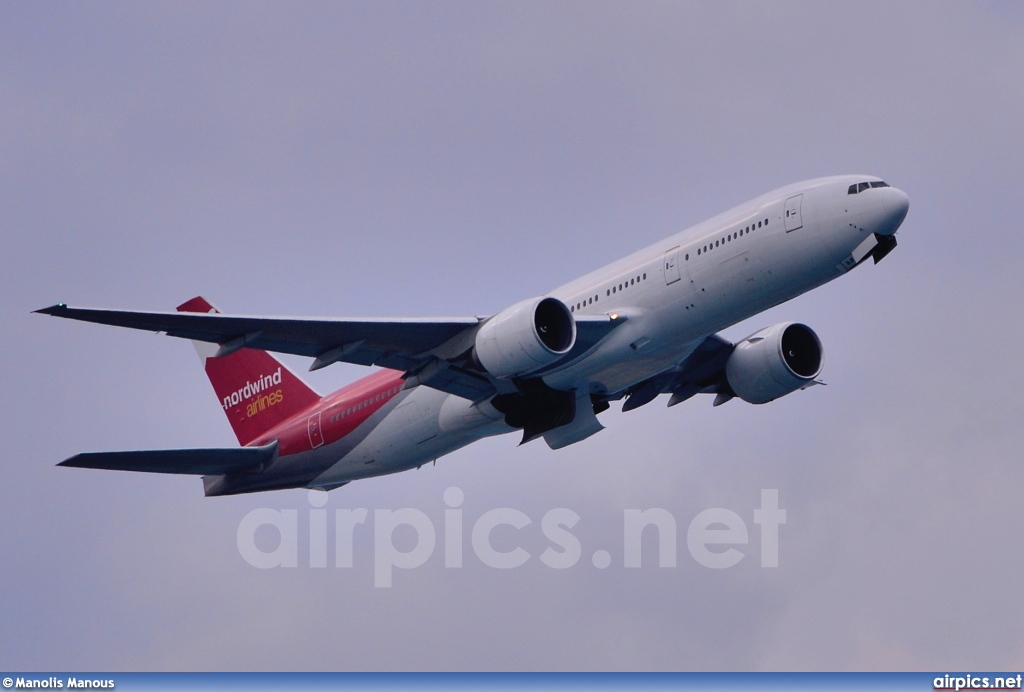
(774,362)
(525,337)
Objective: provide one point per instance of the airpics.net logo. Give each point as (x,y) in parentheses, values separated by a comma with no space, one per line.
(715,538)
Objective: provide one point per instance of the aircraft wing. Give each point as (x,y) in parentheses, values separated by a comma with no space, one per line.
(703,370)
(431,350)
(186,461)
(390,343)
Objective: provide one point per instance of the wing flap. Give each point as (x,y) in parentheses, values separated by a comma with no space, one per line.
(184,461)
(702,371)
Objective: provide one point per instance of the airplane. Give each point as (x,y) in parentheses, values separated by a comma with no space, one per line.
(546,366)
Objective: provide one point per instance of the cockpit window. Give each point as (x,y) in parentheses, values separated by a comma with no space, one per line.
(860,187)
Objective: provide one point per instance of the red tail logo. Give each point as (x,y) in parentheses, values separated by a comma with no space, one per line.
(256,391)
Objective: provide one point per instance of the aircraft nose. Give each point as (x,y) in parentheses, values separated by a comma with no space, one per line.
(894,205)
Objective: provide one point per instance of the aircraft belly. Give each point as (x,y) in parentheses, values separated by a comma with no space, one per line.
(409,437)
(643,347)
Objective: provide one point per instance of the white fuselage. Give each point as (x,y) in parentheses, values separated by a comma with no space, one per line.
(673,295)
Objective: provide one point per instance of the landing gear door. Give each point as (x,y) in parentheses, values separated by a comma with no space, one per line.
(792,215)
(671,266)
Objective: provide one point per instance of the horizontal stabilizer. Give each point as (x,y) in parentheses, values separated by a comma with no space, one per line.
(187,461)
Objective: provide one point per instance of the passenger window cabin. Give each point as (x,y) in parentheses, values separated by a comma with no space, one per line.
(735,235)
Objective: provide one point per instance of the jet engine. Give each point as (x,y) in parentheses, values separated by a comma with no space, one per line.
(774,362)
(524,338)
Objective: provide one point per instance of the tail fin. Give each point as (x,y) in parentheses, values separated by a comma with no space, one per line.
(256,390)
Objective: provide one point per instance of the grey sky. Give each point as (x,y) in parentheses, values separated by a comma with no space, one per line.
(449,159)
